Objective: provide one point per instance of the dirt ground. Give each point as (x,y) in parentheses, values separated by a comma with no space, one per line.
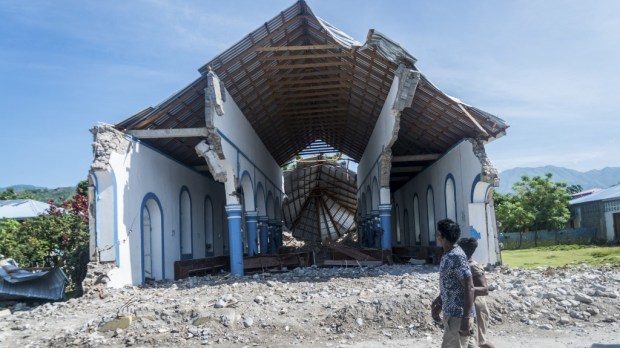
(384,306)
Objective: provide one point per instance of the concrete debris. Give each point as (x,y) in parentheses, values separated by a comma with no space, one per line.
(311,307)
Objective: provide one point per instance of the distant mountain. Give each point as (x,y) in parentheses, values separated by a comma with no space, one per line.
(43,194)
(598,178)
(21,188)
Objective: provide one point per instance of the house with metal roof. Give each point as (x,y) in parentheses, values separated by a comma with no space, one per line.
(200,174)
(21,209)
(599,210)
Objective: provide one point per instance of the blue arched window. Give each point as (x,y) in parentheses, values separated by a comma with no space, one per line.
(185,224)
(450,197)
(430,214)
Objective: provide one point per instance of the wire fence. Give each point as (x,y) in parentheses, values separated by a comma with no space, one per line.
(532,239)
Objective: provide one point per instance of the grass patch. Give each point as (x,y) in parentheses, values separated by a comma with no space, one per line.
(561,255)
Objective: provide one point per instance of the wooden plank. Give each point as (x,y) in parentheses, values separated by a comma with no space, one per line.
(306,81)
(169,133)
(309,88)
(416,158)
(297,48)
(399,178)
(480,128)
(304,56)
(301,74)
(312,111)
(289,96)
(183,268)
(348,251)
(306,65)
(351,263)
(413,169)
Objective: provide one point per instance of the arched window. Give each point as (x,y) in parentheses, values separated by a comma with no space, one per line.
(416,220)
(406,229)
(430,214)
(185,224)
(398,230)
(450,199)
(209,250)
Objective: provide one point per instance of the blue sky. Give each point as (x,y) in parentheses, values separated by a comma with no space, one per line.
(550,68)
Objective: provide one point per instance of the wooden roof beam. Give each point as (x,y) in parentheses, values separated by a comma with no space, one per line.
(413,169)
(169,133)
(304,56)
(416,158)
(306,65)
(297,48)
(312,111)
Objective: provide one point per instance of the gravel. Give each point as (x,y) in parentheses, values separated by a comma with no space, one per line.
(307,307)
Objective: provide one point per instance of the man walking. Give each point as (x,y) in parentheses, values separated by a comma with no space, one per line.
(456,297)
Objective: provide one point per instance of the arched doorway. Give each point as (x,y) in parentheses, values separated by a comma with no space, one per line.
(209,248)
(152,239)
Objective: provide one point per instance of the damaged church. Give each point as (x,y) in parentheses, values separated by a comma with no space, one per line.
(200,175)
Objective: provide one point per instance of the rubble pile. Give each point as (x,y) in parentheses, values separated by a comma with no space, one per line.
(337,307)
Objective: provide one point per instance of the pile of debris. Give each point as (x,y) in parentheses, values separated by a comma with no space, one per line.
(312,306)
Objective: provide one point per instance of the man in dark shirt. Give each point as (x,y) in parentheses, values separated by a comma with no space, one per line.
(456,296)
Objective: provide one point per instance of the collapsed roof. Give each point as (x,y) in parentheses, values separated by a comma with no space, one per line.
(321,200)
(298,79)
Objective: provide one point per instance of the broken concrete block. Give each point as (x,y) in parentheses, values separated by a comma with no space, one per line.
(115,324)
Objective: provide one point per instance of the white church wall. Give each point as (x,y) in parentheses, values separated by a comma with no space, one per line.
(245,151)
(368,168)
(105,188)
(143,171)
(461,164)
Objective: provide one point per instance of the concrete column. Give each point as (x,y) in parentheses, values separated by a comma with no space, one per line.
(251,224)
(385,213)
(234,239)
(264,234)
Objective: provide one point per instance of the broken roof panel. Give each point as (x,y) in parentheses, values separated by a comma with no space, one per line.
(16,283)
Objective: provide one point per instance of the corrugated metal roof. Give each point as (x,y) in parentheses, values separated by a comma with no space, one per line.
(610,193)
(17,283)
(21,208)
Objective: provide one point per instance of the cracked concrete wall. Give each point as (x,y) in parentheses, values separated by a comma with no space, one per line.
(489,172)
(107,140)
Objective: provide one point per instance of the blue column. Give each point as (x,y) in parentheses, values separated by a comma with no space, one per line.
(251,222)
(234,239)
(264,234)
(385,213)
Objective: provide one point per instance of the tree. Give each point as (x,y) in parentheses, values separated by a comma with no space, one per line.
(10,194)
(57,238)
(572,189)
(538,204)
(511,214)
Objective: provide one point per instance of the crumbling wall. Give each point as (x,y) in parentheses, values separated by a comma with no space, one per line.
(488,172)
(106,140)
